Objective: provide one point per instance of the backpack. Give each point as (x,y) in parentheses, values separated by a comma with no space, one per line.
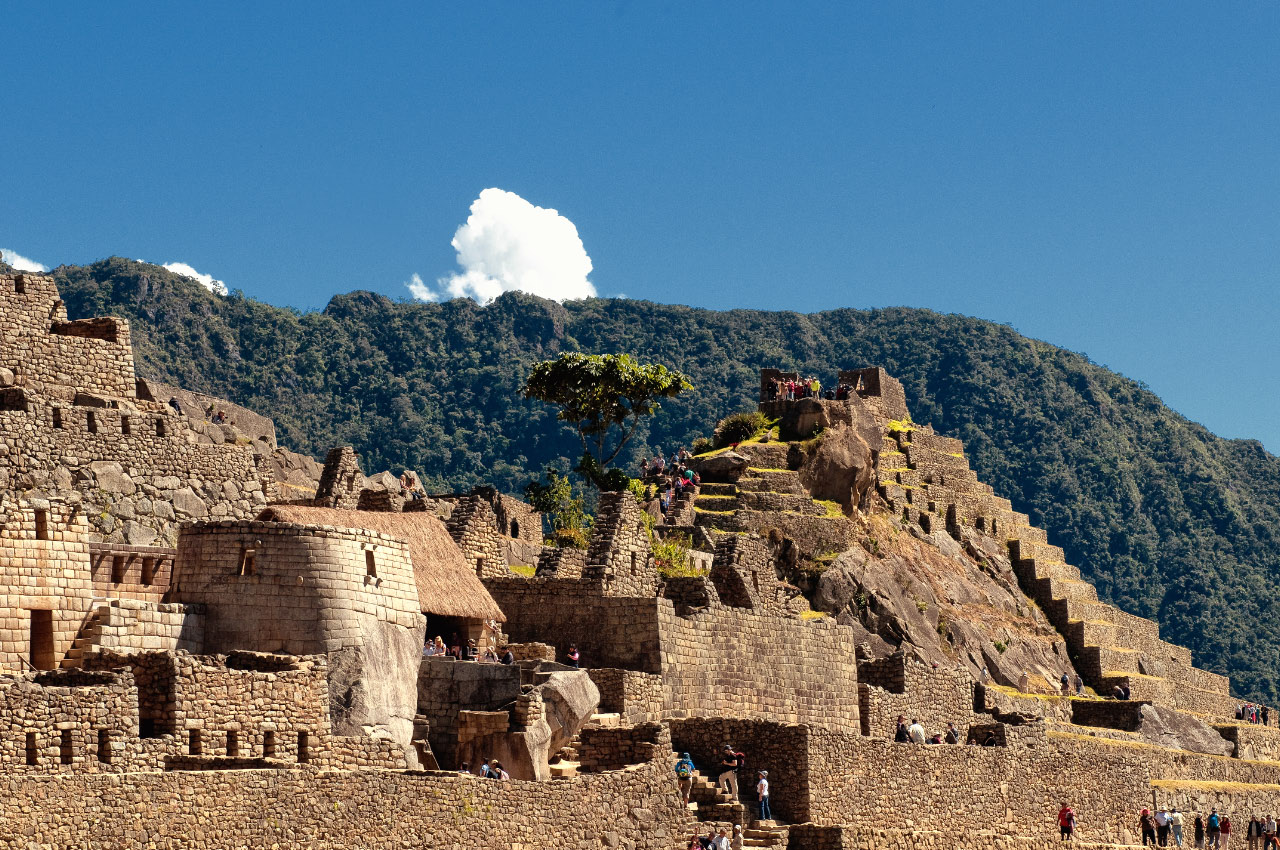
(682,770)
(1213,821)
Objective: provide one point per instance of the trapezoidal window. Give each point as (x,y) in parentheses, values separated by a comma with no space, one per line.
(479,567)
(33,749)
(91,421)
(148,571)
(19,285)
(233,744)
(370,568)
(248,562)
(66,748)
(268,744)
(124,426)
(117,569)
(57,417)
(304,747)
(159,427)
(515,529)
(42,525)
(194,745)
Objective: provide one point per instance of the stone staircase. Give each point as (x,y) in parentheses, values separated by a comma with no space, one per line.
(86,640)
(715,809)
(925,478)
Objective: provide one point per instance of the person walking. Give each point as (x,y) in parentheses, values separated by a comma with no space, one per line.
(1253,834)
(1175,825)
(684,776)
(762,794)
(728,778)
(1213,829)
(1066,823)
(1199,832)
(1224,831)
(1162,827)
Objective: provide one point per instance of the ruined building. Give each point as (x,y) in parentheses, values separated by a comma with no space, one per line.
(195,653)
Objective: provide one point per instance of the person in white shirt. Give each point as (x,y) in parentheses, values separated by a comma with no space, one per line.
(762,793)
(916,732)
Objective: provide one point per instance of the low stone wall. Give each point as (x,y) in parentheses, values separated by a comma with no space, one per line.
(634,696)
(303,809)
(780,748)
(613,748)
(1252,741)
(127,625)
(895,686)
(811,837)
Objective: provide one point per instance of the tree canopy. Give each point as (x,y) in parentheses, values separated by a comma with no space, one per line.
(603,396)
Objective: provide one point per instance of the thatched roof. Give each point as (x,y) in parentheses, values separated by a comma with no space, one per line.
(447,586)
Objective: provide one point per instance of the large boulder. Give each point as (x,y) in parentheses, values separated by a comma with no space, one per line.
(720,468)
(840,468)
(804,418)
(1165,727)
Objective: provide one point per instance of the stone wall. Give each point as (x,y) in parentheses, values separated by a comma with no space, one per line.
(473,526)
(447,687)
(780,748)
(896,685)
(121,571)
(634,696)
(45,351)
(124,626)
(613,748)
(45,585)
(366,810)
(618,555)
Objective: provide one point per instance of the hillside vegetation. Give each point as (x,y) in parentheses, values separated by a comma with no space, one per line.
(1168,520)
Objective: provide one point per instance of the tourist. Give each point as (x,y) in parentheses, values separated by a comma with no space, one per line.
(484,769)
(1198,827)
(1213,830)
(496,771)
(406,483)
(1066,684)
(736,842)
(465,769)
(1224,829)
(916,731)
(470,652)
(727,781)
(571,658)
(1066,822)
(508,657)
(1266,716)
(901,735)
(722,839)
(953,735)
(1147,826)
(1079,686)
(985,677)
(1175,825)
(1269,829)
(1024,683)
(762,794)
(1162,827)
(455,646)
(173,402)
(1253,833)
(684,776)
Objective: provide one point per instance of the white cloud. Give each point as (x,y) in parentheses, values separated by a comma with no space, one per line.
(217,287)
(508,243)
(21,263)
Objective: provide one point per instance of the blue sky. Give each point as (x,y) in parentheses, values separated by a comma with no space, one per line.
(1101,176)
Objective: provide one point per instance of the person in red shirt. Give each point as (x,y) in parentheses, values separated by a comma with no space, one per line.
(1066,822)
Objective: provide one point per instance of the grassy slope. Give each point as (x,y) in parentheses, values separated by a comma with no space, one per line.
(1168,520)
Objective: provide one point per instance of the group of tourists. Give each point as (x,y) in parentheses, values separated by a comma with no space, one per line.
(731,762)
(914,733)
(468,651)
(789,389)
(1164,827)
(1251,713)
(489,769)
(718,839)
(670,478)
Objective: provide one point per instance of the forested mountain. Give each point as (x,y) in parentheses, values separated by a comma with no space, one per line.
(1169,521)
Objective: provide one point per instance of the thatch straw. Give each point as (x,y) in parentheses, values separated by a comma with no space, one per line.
(447,585)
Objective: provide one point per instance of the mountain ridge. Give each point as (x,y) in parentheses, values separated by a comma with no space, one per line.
(1168,520)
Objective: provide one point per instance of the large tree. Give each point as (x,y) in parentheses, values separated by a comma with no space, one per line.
(604,397)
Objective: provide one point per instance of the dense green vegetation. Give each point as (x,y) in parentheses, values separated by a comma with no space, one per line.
(1168,520)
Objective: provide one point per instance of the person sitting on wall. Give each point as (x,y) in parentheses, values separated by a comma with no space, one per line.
(571,657)
(953,735)
(173,402)
(208,412)
(508,657)
(916,731)
(496,771)
(406,483)
(727,781)
(470,653)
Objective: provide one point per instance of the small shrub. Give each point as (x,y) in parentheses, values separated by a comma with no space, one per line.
(922,606)
(1000,646)
(702,445)
(671,556)
(738,428)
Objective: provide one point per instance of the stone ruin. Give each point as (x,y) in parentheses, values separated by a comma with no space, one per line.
(194,654)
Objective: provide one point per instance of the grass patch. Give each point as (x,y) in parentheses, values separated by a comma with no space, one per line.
(699,510)
(812,615)
(523,570)
(832,508)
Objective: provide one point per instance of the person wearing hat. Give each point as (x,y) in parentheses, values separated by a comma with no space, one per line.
(735,843)
(762,793)
(728,778)
(684,776)
(1147,826)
